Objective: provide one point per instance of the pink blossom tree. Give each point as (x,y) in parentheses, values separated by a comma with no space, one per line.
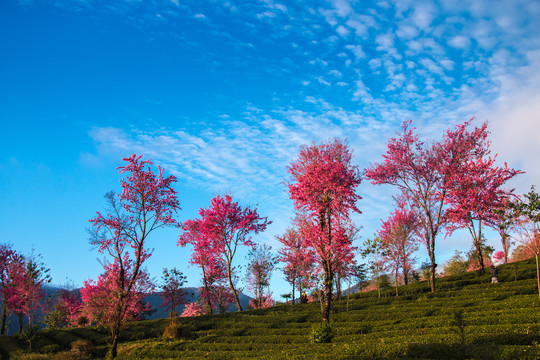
(8,256)
(147,203)
(474,193)
(205,255)
(226,225)
(323,184)
(298,260)
(423,173)
(25,295)
(397,236)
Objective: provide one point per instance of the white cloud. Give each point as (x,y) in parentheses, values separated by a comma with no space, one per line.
(357,51)
(460,42)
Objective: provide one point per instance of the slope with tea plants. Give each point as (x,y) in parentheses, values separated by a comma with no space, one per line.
(467,317)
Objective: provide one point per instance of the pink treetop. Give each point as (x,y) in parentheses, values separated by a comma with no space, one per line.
(193,309)
(324,179)
(498,258)
(70,305)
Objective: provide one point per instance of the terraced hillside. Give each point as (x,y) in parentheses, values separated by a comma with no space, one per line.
(501,321)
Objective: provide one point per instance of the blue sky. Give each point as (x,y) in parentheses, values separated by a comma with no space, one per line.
(222,94)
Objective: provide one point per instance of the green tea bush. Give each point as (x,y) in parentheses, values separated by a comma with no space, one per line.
(321,333)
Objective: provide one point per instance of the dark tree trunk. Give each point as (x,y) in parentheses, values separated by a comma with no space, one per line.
(21,318)
(478,244)
(4,318)
(538,274)
(397,291)
(114,344)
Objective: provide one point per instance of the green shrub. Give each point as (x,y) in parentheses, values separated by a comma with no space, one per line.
(322,333)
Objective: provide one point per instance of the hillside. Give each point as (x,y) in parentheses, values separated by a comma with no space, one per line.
(502,322)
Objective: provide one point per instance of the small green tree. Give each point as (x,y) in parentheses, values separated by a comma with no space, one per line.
(456,265)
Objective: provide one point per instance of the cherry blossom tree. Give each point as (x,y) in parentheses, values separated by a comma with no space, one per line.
(205,255)
(261,263)
(298,260)
(397,235)
(323,185)
(226,225)
(8,256)
(147,203)
(474,193)
(423,173)
(173,292)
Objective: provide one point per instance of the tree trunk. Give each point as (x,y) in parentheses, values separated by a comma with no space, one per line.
(114,345)
(4,318)
(293,284)
(431,252)
(232,288)
(21,318)
(397,292)
(338,288)
(328,279)
(538,274)
(205,281)
(478,244)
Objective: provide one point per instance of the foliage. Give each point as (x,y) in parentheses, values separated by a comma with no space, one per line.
(456,265)
(259,271)
(322,333)
(173,293)
(193,309)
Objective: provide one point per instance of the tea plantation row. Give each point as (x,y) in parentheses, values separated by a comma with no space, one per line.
(501,321)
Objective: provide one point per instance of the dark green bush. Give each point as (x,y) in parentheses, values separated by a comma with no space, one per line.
(321,333)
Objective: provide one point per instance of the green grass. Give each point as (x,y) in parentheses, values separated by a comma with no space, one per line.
(502,322)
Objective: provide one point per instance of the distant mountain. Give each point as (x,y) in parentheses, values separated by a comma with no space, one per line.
(155,301)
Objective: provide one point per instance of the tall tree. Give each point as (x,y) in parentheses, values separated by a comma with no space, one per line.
(147,203)
(323,187)
(423,173)
(226,225)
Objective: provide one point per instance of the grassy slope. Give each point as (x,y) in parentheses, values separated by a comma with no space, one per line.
(502,323)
